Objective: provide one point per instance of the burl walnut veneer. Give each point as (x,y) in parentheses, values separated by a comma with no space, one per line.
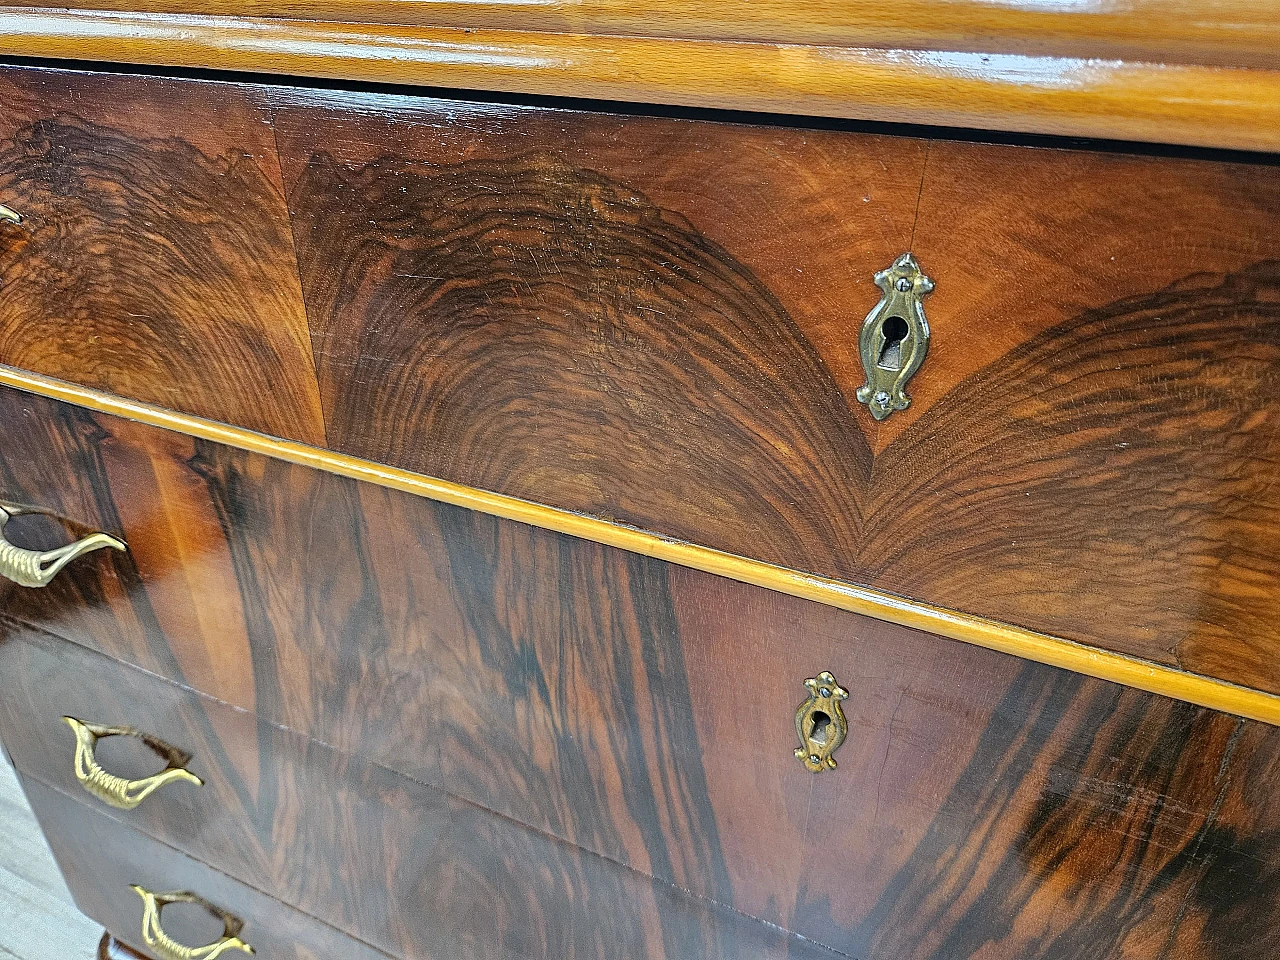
(489,555)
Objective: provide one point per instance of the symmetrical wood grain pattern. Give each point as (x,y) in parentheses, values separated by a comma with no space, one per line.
(640,710)
(560,336)
(1087,93)
(155,258)
(536,304)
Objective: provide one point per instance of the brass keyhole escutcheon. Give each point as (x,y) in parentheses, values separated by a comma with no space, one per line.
(894,337)
(820,723)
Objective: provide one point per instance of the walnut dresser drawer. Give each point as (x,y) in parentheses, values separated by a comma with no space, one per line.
(654,322)
(589,698)
(106,884)
(337,836)
(479,527)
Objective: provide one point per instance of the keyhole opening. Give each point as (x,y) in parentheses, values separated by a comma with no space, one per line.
(895,331)
(821,723)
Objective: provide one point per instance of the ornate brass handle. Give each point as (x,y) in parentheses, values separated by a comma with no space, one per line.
(165,947)
(117,791)
(35,568)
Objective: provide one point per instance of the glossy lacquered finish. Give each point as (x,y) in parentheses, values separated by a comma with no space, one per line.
(153,216)
(1199,73)
(101,857)
(655,321)
(1223,32)
(406,868)
(642,711)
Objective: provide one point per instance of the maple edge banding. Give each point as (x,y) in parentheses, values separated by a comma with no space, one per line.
(1069,96)
(1017,641)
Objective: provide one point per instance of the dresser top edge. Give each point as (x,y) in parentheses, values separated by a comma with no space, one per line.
(1209,79)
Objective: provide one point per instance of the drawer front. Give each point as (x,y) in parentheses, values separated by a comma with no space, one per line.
(154,258)
(103,860)
(385,859)
(657,321)
(646,712)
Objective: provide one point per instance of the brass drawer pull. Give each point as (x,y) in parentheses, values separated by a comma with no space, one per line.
(165,947)
(35,568)
(116,791)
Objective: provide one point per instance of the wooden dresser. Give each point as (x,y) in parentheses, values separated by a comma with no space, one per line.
(814,495)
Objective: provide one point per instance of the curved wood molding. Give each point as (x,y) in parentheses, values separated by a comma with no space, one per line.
(1016,641)
(1230,33)
(1186,103)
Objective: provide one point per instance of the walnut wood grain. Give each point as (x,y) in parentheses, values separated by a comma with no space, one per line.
(100,858)
(661,332)
(155,258)
(389,861)
(563,335)
(584,311)
(1092,94)
(652,321)
(639,710)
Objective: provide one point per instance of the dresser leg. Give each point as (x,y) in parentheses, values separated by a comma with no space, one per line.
(112,949)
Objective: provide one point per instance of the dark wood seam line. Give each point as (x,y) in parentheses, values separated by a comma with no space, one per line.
(713,903)
(270,109)
(915,220)
(924,169)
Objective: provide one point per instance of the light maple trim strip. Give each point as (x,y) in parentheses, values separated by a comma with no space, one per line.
(1017,641)
(1235,33)
(1209,106)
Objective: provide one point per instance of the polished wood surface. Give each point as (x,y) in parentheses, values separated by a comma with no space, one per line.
(403,867)
(101,857)
(154,258)
(1017,641)
(655,322)
(1091,95)
(1223,32)
(670,311)
(639,710)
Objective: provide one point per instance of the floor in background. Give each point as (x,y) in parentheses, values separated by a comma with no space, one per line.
(37,918)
